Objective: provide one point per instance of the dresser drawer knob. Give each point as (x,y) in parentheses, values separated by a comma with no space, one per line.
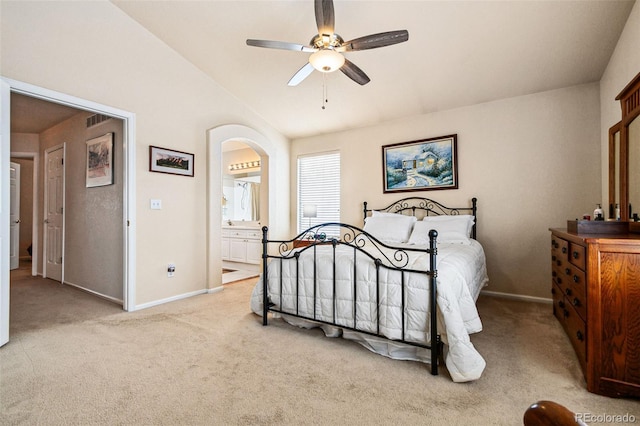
(558,262)
(568,291)
(561,304)
(553,290)
(564,249)
(567,271)
(566,313)
(553,258)
(576,279)
(553,273)
(576,302)
(580,336)
(576,255)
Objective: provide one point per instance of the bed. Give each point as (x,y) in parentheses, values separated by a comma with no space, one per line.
(377,285)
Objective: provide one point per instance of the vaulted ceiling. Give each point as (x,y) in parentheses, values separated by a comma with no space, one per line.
(459,53)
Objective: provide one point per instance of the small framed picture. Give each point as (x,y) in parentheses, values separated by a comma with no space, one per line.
(164,160)
(421,165)
(100,161)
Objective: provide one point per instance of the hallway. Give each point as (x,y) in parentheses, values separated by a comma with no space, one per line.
(39,303)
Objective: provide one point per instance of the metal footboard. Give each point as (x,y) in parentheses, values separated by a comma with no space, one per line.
(363,244)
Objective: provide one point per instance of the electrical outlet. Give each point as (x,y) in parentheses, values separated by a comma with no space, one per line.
(155,204)
(171,270)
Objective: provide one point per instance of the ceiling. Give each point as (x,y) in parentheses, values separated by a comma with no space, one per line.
(459,53)
(31,115)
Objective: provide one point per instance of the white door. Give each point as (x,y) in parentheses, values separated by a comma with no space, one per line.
(14,216)
(53,213)
(5,103)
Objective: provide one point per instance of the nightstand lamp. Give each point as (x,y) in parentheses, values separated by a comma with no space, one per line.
(309,211)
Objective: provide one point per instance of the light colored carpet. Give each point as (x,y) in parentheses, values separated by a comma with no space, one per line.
(232,276)
(207,360)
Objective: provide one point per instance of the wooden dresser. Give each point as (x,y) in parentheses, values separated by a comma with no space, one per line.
(596,298)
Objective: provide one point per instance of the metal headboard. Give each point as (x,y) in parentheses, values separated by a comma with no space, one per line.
(428,207)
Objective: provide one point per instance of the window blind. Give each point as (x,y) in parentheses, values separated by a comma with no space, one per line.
(319,186)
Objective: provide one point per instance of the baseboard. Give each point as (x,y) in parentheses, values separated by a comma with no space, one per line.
(95,293)
(519,297)
(215,289)
(170,299)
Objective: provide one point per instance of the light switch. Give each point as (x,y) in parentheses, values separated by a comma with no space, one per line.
(156,204)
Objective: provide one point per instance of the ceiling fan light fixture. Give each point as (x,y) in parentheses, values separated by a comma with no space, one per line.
(326,60)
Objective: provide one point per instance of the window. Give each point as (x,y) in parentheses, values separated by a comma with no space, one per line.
(319,191)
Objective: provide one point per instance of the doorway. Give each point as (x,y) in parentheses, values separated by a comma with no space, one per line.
(127,176)
(274,203)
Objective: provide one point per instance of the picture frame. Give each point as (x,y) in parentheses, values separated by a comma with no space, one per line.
(421,165)
(163,160)
(99,169)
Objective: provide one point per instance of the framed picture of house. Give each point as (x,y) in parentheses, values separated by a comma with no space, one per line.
(100,161)
(421,165)
(164,160)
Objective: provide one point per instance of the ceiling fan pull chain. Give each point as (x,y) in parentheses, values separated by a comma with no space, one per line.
(325,96)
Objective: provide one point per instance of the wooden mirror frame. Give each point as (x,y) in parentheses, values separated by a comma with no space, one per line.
(630,103)
(614,169)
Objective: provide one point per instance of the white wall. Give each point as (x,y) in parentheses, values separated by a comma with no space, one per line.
(93,51)
(623,66)
(532,161)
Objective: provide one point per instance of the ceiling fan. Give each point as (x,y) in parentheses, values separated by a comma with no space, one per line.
(326,47)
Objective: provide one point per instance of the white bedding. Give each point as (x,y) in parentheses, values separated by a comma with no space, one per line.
(461,275)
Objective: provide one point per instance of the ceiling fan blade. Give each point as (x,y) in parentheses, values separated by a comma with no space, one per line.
(325,17)
(354,73)
(302,73)
(280,45)
(375,40)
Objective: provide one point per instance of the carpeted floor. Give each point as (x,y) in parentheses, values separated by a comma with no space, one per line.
(207,360)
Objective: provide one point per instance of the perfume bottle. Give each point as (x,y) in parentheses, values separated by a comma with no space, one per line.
(598,214)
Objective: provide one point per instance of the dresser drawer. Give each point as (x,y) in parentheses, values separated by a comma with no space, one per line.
(577,255)
(559,248)
(576,330)
(575,291)
(573,325)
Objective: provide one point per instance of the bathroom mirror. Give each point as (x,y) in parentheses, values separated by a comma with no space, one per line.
(241,197)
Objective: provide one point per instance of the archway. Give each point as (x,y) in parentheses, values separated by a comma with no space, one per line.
(271,163)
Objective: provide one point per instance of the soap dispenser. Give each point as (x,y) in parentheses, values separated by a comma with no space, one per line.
(598,214)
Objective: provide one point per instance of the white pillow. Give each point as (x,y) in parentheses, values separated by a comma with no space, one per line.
(376,213)
(451,229)
(390,229)
(461,219)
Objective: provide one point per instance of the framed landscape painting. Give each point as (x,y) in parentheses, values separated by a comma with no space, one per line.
(100,161)
(421,165)
(164,160)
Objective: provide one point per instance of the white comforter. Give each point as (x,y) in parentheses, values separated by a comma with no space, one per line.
(461,275)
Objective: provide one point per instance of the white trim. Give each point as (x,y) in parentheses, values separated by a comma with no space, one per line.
(259,143)
(215,290)
(5,190)
(35,228)
(519,297)
(172,299)
(129,161)
(95,293)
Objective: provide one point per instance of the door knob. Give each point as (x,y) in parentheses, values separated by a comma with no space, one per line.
(46,221)
(17,221)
